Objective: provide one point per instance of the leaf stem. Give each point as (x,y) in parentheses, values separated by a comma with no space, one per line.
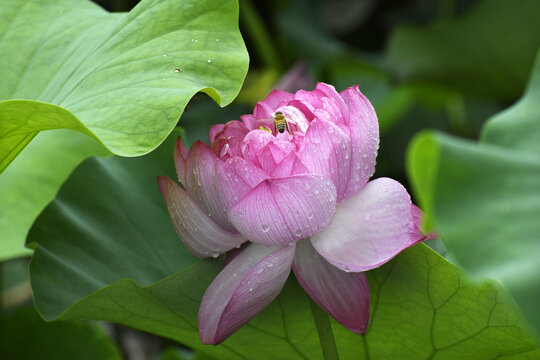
(326,336)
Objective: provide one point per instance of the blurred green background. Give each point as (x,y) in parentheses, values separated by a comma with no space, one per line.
(447,65)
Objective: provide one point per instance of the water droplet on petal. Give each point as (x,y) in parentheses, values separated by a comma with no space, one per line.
(298,232)
(310,215)
(270,265)
(265,228)
(250,289)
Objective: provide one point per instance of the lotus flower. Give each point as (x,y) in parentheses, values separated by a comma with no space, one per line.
(296,192)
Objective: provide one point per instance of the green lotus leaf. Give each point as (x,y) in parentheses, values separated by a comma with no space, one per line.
(123,78)
(487,51)
(26,336)
(110,252)
(484,198)
(32,180)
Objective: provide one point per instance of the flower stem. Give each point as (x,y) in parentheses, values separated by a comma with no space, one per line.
(326,336)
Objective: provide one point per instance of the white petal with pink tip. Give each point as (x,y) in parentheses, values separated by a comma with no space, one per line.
(370,228)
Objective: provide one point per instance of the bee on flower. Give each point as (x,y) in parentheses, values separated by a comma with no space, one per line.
(297,197)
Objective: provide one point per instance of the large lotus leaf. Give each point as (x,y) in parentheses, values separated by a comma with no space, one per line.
(32,180)
(484,198)
(519,126)
(26,336)
(487,51)
(105,249)
(123,78)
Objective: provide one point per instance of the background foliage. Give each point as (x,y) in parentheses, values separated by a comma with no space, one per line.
(104,249)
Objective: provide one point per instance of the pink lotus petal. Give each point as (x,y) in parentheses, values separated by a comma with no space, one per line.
(330,92)
(199,233)
(296,119)
(332,106)
(289,166)
(326,151)
(278,97)
(214,130)
(311,99)
(235,252)
(262,111)
(282,211)
(180,155)
(417,226)
(304,108)
(242,171)
(370,228)
(228,138)
(364,139)
(205,187)
(343,295)
(273,153)
(249,283)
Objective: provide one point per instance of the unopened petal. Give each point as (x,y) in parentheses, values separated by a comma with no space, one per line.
(326,151)
(364,134)
(370,228)
(180,156)
(277,97)
(285,210)
(344,295)
(226,140)
(263,111)
(214,131)
(247,284)
(199,233)
(330,92)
